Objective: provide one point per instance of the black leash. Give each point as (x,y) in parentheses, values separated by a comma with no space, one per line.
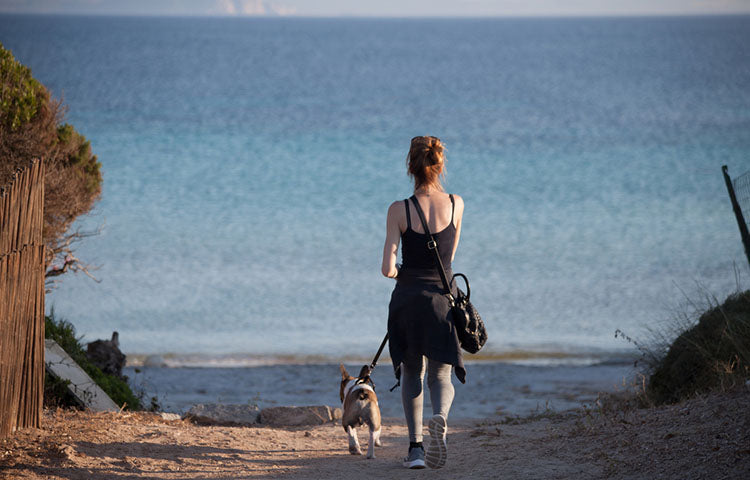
(364,374)
(380,350)
(375,360)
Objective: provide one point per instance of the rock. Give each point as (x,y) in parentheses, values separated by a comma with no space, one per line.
(296,416)
(154,361)
(336,413)
(106,355)
(169,416)
(218,414)
(67,451)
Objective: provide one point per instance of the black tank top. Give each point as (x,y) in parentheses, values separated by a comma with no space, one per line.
(414,252)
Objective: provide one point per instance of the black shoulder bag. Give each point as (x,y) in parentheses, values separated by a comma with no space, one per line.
(469,325)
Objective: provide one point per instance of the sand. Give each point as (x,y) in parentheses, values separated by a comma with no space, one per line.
(707,437)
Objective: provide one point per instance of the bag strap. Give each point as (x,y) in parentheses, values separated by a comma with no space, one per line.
(432,245)
(408,215)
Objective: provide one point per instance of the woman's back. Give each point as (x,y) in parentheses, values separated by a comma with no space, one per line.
(443,212)
(440,220)
(438,208)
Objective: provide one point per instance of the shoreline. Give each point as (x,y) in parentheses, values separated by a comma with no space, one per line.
(492,390)
(706,437)
(517,356)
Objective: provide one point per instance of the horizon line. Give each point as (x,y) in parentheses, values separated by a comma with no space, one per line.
(359,16)
(388,17)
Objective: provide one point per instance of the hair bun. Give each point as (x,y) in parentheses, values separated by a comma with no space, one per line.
(434,151)
(425,161)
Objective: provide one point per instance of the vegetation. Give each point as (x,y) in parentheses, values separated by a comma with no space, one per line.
(55,391)
(31,127)
(712,353)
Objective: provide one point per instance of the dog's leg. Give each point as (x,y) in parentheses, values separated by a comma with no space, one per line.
(353,442)
(371,443)
(378,443)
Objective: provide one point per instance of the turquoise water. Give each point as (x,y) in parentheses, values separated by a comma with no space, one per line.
(248,165)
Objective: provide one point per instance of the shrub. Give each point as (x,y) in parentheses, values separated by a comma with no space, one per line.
(22,95)
(31,127)
(714,353)
(55,390)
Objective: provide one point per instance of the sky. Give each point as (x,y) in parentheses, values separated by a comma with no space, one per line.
(379,8)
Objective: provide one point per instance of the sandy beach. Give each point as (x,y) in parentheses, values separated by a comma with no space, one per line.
(706,437)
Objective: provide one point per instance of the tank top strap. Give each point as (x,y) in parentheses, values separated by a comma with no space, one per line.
(453,207)
(408,215)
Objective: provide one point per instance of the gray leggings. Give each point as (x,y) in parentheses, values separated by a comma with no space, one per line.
(441,391)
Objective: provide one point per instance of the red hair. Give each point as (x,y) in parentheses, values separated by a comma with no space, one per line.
(425,162)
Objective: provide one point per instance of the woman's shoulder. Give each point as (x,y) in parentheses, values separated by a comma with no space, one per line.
(459,206)
(396,208)
(396,205)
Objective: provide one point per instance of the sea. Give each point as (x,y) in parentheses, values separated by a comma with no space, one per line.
(248,164)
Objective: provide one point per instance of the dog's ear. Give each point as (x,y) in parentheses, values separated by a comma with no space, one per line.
(344,374)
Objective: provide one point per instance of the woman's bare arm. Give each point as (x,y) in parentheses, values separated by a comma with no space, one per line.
(392,239)
(459,215)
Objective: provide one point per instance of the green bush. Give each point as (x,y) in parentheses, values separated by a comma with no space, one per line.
(31,128)
(21,94)
(712,354)
(63,332)
(80,158)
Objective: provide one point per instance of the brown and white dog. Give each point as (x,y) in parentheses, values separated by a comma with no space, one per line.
(360,407)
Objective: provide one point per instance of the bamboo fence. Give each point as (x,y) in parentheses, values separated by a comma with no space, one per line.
(22,300)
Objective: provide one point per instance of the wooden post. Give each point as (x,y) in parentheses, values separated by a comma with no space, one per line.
(737,213)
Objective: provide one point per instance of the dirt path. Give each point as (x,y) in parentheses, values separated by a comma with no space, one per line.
(704,438)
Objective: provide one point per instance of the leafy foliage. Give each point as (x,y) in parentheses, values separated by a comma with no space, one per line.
(21,94)
(79,156)
(31,128)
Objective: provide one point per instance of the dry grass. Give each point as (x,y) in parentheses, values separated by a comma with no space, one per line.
(704,347)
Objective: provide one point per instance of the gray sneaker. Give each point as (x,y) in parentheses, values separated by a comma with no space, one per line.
(437,451)
(415,459)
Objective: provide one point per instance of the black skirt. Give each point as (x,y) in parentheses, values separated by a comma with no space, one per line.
(420,323)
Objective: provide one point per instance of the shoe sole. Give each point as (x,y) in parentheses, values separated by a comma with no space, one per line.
(415,464)
(437,451)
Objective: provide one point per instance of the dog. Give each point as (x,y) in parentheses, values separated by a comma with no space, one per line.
(360,407)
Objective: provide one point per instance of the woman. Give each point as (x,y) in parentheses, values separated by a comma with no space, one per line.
(419,321)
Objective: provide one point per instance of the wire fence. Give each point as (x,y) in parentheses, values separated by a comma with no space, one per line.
(22,300)
(742,192)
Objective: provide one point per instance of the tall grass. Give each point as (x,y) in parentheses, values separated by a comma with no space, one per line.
(714,353)
(706,347)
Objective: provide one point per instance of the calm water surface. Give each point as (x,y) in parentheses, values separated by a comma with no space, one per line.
(248,165)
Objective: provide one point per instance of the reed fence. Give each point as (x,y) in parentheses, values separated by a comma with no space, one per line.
(22,300)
